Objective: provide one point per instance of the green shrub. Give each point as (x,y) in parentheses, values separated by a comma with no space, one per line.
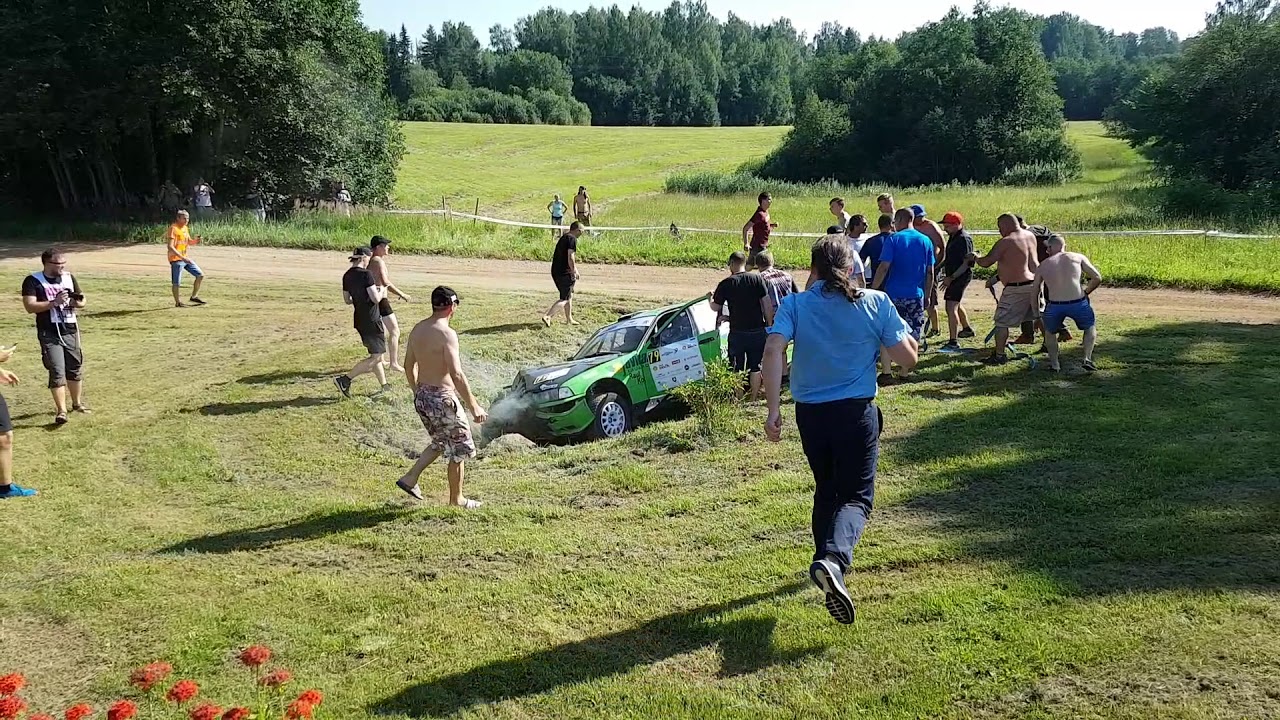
(713,399)
(1041,173)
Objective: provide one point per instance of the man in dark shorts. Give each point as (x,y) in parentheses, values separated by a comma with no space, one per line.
(53,296)
(564,273)
(7,488)
(362,292)
(759,227)
(956,274)
(381,248)
(747,297)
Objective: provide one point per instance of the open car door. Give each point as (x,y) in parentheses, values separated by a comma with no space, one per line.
(682,345)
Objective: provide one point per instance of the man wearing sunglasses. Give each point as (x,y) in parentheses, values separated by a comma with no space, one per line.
(433,367)
(53,296)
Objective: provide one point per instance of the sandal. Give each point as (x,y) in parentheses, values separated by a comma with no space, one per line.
(82,409)
(60,419)
(413,491)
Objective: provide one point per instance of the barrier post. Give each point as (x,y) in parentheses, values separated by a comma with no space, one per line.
(476,213)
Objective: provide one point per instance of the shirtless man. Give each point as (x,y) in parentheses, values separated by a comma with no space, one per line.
(934,233)
(884,202)
(434,371)
(1060,275)
(582,207)
(382,277)
(1015,252)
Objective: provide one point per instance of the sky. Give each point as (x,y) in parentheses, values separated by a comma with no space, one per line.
(1185,17)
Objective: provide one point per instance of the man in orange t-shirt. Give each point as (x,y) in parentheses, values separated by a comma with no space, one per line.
(179,237)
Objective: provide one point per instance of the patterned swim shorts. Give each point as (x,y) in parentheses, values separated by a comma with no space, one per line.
(446,422)
(911,310)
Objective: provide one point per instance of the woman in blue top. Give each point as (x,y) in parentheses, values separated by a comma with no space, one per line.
(557,208)
(837,331)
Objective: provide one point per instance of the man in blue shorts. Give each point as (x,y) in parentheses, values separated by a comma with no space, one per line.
(906,270)
(1060,275)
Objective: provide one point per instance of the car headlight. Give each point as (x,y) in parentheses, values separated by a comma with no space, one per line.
(560,393)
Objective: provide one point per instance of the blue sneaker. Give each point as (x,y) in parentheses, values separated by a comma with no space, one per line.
(827,576)
(16,492)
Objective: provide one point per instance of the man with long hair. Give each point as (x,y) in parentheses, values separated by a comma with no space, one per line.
(837,331)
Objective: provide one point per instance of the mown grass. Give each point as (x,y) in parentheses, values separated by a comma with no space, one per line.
(1077,546)
(516,166)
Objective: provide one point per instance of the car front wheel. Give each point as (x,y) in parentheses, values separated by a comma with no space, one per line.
(612,416)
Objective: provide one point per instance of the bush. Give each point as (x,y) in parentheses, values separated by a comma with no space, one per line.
(482,105)
(1041,173)
(713,399)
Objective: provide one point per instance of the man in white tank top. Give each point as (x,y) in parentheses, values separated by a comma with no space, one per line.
(53,296)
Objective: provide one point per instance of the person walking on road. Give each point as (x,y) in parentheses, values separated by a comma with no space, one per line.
(433,367)
(1060,276)
(956,274)
(836,330)
(381,248)
(180,241)
(564,273)
(53,296)
(759,227)
(360,291)
(906,269)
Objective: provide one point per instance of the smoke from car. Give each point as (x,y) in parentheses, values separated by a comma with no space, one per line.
(505,413)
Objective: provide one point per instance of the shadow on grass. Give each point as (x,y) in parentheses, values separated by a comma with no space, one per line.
(268,536)
(284,376)
(500,329)
(242,408)
(1159,472)
(126,313)
(746,646)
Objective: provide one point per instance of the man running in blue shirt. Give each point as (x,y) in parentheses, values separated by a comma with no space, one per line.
(906,270)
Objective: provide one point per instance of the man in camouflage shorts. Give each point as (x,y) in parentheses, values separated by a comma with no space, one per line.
(434,371)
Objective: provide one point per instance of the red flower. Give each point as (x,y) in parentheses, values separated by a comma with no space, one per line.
(276,679)
(78,712)
(122,710)
(144,678)
(238,713)
(10,684)
(299,710)
(255,656)
(182,691)
(12,706)
(312,697)
(206,712)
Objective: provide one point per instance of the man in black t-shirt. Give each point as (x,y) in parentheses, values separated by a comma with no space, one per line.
(956,274)
(362,292)
(53,296)
(747,297)
(564,273)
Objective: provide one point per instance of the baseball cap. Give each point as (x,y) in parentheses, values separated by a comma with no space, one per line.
(918,211)
(377,240)
(360,252)
(953,218)
(443,297)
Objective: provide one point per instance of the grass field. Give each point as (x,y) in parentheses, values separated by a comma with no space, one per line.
(1043,547)
(514,170)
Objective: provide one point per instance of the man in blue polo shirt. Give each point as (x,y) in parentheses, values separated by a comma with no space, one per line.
(837,330)
(906,270)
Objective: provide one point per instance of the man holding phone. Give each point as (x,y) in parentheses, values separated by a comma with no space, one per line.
(53,296)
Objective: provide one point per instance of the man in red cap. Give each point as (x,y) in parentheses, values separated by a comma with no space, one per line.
(956,274)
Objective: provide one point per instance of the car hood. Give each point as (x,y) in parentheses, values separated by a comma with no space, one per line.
(545,377)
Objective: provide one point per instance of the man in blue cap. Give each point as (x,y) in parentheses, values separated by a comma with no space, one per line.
(931,230)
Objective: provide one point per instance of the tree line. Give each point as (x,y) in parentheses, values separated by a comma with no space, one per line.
(104,103)
(683,66)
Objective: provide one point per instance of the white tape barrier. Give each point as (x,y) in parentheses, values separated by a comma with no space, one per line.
(667,228)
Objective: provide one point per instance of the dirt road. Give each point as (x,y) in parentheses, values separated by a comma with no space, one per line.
(660,283)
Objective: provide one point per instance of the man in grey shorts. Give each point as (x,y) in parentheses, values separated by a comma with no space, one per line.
(53,296)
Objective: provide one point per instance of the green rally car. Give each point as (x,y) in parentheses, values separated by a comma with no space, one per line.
(623,372)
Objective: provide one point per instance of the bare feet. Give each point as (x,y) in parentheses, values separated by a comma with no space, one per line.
(574,322)
(398,368)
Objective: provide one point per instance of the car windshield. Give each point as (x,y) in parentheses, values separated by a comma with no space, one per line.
(616,339)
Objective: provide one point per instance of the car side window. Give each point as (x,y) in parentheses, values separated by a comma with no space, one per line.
(678,330)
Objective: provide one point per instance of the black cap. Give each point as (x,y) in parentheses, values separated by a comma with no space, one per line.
(443,297)
(360,252)
(377,240)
